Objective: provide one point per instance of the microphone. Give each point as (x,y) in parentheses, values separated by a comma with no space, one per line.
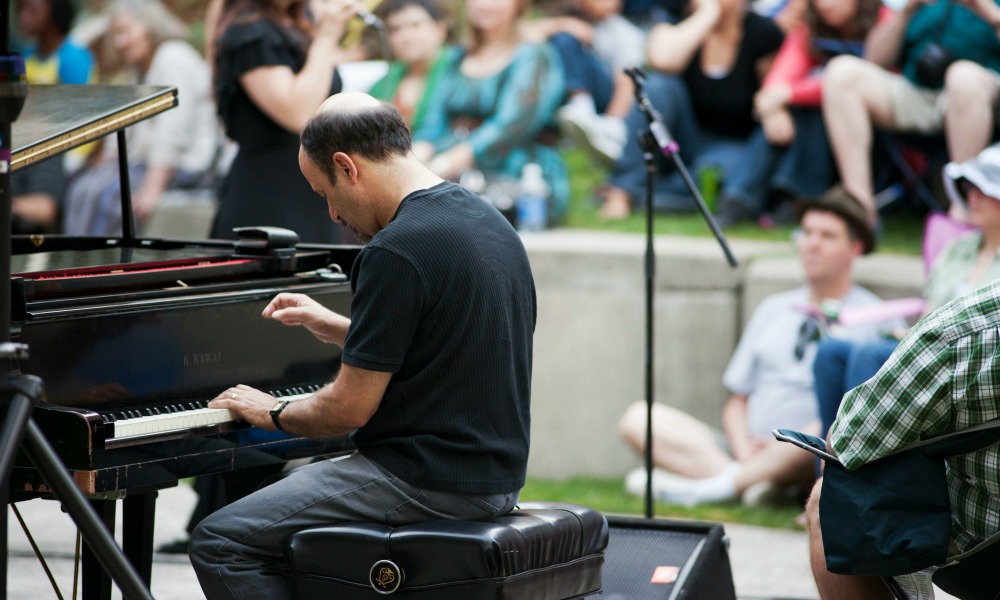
(369,19)
(657,128)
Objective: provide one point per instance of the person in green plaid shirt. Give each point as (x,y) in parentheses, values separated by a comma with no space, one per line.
(943,377)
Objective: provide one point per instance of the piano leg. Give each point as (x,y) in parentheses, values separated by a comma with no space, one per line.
(138,512)
(96,582)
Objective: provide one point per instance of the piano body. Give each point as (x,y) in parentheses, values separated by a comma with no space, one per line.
(132,337)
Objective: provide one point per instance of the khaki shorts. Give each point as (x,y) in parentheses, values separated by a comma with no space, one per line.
(919,109)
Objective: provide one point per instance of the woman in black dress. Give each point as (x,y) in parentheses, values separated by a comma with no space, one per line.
(273,68)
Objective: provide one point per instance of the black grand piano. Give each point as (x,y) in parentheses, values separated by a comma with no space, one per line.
(133,337)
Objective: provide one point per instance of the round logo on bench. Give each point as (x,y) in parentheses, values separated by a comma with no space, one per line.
(386,577)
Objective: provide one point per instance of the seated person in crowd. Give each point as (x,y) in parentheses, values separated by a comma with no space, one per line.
(37,195)
(948,57)
(769,377)
(596,44)
(707,69)
(793,151)
(494,102)
(966,263)
(940,379)
(52,56)
(417,32)
(173,149)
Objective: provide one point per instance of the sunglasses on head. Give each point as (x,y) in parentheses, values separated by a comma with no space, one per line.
(808,333)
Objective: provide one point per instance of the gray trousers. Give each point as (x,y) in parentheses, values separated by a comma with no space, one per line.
(237,551)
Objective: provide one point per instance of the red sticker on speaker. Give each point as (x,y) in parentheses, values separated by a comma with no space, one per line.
(665,575)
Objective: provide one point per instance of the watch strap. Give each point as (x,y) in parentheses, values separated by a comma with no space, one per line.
(276,413)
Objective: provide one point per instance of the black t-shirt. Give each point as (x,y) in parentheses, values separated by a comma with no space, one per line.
(724,105)
(444,299)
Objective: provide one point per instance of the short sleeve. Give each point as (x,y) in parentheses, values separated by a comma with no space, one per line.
(767,36)
(76,65)
(739,376)
(260,43)
(246,46)
(909,399)
(385,311)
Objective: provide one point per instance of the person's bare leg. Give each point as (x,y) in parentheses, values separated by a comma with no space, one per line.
(832,586)
(970,92)
(681,443)
(617,204)
(784,464)
(855,97)
(623,96)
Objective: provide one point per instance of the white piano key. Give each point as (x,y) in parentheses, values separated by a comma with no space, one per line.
(179,421)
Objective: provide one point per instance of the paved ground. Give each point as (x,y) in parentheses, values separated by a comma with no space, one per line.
(767,563)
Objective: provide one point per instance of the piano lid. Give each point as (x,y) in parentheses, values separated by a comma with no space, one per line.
(58,118)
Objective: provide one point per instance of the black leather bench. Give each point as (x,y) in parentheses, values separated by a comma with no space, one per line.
(539,551)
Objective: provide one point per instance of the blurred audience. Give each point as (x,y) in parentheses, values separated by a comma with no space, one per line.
(417,31)
(274,66)
(596,44)
(794,158)
(495,100)
(707,68)
(947,54)
(769,377)
(172,150)
(52,56)
(37,193)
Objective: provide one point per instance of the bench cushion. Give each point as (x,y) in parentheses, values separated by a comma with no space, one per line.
(543,551)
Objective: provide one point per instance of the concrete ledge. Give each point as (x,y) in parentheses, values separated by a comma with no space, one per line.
(590,338)
(182,215)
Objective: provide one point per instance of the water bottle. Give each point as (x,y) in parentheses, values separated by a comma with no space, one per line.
(532,201)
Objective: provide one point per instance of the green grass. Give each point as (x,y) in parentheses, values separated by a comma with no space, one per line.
(902,232)
(608,496)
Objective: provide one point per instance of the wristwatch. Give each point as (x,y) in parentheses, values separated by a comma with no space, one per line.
(276,412)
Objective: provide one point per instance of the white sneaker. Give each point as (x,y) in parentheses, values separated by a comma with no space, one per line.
(760,494)
(667,487)
(601,136)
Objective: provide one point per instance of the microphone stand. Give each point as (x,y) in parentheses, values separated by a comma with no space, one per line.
(657,137)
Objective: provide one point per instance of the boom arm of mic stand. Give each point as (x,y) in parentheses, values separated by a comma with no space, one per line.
(668,146)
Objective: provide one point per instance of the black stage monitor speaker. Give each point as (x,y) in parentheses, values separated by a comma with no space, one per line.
(659,559)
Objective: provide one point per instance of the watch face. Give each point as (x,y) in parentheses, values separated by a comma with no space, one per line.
(280,404)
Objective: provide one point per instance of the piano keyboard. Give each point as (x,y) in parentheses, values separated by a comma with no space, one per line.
(183,416)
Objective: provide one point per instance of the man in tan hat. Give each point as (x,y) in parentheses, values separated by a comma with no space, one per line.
(769,377)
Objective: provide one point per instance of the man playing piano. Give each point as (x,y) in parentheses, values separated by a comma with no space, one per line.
(436,363)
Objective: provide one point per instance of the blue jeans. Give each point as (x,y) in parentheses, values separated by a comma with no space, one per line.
(805,168)
(237,551)
(583,70)
(842,366)
(698,148)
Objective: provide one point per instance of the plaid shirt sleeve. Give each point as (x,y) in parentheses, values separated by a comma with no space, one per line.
(907,400)
(943,377)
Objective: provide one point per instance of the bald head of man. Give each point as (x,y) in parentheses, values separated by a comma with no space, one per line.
(356,153)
